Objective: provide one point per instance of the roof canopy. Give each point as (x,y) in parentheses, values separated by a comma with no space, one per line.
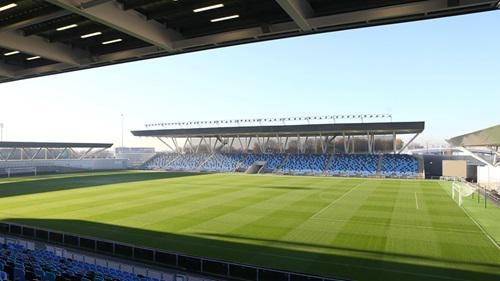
(47,37)
(486,137)
(20,144)
(351,129)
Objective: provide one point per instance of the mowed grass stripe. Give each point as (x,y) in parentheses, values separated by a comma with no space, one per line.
(374,232)
(268,200)
(238,214)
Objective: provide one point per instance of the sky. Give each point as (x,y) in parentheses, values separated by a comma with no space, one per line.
(443,71)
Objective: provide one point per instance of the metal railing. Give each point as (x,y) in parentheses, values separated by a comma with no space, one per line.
(173,260)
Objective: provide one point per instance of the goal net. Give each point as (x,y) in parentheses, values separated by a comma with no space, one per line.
(460,190)
(20,171)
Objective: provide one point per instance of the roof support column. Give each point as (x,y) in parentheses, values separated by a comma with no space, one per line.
(165,143)
(230,148)
(369,142)
(393,142)
(174,141)
(248,143)
(191,147)
(408,143)
(298,144)
(241,144)
(10,153)
(198,146)
(61,153)
(259,144)
(299,11)
(81,157)
(36,153)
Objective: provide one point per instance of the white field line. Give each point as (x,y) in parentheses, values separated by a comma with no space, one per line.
(474,221)
(416,200)
(335,201)
(481,228)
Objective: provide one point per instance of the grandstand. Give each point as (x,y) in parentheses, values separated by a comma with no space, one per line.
(308,149)
(227,226)
(55,157)
(292,164)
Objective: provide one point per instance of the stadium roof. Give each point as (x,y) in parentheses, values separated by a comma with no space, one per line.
(486,137)
(383,128)
(46,37)
(17,144)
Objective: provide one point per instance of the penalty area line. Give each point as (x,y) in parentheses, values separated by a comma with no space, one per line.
(335,201)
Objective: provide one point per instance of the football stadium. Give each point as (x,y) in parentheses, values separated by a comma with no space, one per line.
(304,198)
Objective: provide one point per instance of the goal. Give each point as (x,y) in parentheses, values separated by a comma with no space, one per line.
(461,190)
(20,171)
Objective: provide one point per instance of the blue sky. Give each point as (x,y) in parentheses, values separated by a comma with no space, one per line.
(444,72)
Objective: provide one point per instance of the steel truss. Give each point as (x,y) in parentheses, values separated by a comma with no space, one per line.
(320,143)
(49,151)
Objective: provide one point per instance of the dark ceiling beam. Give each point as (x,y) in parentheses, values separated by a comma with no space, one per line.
(52,26)
(97,60)
(251,34)
(398,13)
(35,20)
(7,70)
(137,4)
(299,11)
(70,37)
(37,46)
(168,11)
(132,23)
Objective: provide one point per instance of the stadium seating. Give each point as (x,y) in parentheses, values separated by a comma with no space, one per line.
(272,161)
(223,162)
(187,162)
(388,165)
(20,264)
(353,165)
(160,161)
(399,165)
(304,164)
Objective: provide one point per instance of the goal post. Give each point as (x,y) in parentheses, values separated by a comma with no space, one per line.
(20,170)
(460,190)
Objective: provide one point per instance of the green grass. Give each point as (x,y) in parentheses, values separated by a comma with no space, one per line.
(359,229)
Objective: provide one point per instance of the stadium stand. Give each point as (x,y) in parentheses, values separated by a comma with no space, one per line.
(222,162)
(365,165)
(188,162)
(399,166)
(160,161)
(20,264)
(304,164)
(353,165)
(272,161)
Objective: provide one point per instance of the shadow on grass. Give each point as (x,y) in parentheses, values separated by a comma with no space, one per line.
(33,186)
(347,263)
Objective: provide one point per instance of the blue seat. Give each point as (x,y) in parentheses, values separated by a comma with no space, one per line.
(3,276)
(19,274)
(49,276)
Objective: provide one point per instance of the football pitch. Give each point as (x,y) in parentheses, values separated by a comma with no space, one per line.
(356,229)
